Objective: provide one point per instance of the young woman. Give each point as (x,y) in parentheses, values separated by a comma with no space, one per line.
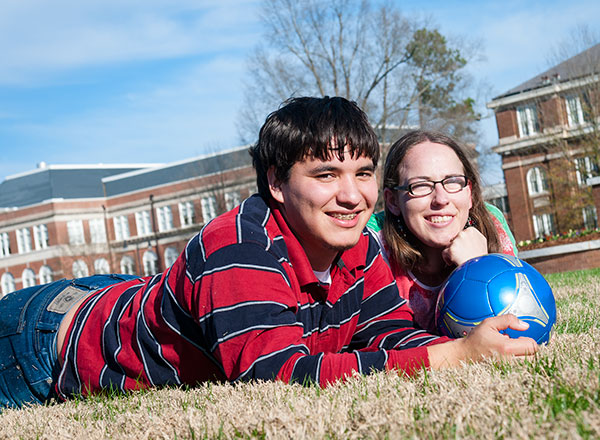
(435,218)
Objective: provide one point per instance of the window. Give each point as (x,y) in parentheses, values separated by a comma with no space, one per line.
(23,240)
(150,263)
(537,183)
(232,199)
(127,265)
(4,244)
(7,283)
(28,278)
(574,111)
(40,236)
(527,120)
(143,223)
(585,167)
(75,231)
(101,266)
(543,225)
(97,230)
(590,217)
(121,227)
(45,275)
(209,208)
(165,218)
(80,269)
(171,255)
(186,213)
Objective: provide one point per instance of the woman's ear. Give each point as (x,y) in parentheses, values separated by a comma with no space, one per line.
(274,186)
(391,201)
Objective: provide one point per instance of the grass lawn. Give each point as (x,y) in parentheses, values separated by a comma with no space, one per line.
(554,395)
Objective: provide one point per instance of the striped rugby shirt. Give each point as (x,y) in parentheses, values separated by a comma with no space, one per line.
(242,302)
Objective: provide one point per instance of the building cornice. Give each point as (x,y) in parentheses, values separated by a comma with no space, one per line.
(550,89)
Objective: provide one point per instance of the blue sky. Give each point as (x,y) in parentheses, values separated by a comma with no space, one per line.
(137,81)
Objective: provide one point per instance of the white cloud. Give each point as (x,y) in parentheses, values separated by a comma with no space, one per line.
(38,37)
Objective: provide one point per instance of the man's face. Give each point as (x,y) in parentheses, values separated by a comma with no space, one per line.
(327,204)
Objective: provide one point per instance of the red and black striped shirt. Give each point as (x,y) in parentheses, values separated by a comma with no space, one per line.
(242,302)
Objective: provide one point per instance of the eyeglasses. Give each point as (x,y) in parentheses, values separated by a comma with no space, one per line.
(452,184)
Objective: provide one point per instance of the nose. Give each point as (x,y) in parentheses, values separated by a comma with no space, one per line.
(349,193)
(440,196)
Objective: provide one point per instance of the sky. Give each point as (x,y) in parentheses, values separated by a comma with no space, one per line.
(156,81)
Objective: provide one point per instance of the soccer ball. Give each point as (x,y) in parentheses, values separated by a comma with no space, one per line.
(493,285)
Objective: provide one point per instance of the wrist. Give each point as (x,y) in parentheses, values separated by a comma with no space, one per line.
(448,354)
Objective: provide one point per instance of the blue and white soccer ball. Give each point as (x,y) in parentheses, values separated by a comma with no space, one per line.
(493,285)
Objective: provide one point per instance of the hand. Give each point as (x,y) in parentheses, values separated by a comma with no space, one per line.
(485,340)
(469,243)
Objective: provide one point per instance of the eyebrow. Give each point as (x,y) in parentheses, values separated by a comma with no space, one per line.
(324,168)
(429,178)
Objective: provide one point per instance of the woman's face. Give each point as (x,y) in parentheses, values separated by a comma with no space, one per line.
(437,218)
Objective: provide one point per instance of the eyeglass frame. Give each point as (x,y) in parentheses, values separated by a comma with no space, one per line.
(408,188)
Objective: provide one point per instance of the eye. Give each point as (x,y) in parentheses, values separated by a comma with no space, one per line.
(365,174)
(420,186)
(325,176)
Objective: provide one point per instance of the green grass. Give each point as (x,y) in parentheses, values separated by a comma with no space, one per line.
(555,394)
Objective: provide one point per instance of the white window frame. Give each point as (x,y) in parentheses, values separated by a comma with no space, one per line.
(23,240)
(187,215)
(209,208)
(4,244)
(537,181)
(232,199)
(150,263)
(164,216)
(127,265)
(584,169)
(143,223)
(170,256)
(45,275)
(40,236)
(543,224)
(574,110)
(527,120)
(75,232)
(80,269)
(97,230)
(121,224)
(28,278)
(590,217)
(101,266)
(7,283)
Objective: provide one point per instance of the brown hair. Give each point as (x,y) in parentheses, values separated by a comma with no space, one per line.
(404,250)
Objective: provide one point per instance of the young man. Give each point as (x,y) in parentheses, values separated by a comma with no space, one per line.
(288,286)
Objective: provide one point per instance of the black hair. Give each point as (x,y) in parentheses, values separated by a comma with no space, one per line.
(310,127)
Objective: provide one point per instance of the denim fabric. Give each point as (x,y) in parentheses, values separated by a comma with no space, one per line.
(29,322)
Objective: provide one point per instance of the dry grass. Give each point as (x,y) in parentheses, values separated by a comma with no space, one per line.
(555,395)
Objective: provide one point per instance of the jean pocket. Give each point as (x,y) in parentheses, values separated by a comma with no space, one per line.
(12,310)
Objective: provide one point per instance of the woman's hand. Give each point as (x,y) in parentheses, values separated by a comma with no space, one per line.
(469,243)
(482,342)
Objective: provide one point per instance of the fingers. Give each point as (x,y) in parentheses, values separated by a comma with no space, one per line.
(509,320)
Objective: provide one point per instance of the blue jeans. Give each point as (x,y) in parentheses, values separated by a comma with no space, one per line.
(29,322)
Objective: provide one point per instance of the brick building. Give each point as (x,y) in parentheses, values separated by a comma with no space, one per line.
(74,221)
(548,141)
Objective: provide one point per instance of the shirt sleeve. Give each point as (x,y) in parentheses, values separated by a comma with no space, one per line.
(507,240)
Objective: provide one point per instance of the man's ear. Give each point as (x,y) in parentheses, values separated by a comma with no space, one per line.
(274,186)
(391,201)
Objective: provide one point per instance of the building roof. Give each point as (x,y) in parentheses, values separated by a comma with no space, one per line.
(90,181)
(583,64)
(57,182)
(177,171)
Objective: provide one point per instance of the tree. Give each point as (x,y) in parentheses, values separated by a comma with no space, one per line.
(402,72)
